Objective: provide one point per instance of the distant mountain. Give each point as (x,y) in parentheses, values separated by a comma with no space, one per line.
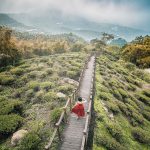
(54,22)
(118,42)
(8,21)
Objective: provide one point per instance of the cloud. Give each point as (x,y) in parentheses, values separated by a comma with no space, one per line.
(111,11)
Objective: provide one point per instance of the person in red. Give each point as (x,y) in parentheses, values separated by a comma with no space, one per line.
(78,109)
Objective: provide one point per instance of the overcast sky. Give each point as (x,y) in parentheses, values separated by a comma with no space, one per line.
(133,13)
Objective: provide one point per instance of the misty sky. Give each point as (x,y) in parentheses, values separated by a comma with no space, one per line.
(133,13)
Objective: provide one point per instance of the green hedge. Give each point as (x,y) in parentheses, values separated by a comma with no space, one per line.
(141,136)
(9,123)
(30,142)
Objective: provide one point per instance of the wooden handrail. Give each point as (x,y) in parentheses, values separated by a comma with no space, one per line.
(66,105)
(49,144)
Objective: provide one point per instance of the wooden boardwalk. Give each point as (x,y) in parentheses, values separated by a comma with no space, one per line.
(73,133)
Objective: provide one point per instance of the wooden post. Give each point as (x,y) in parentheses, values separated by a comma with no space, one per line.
(58,131)
(70,101)
(65,114)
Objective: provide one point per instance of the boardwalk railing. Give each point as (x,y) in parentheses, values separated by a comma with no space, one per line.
(70,101)
(89,111)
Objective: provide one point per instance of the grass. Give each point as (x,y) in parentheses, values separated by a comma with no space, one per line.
(119,85)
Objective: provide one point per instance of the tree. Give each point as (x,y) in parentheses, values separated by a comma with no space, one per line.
(9,53)
(106,37)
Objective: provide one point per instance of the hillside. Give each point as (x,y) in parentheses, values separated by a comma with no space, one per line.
(41,87)
(122,105)
(5,20)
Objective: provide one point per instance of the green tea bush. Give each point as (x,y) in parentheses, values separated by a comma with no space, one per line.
(143,98)
(142,75)
(123,108)
(113,107)
(146,115)
(146,93)
(29,93)
(47,85)
(130,66)
(105,96)
(55,114)
(34,85)
(73,74)
(6,79)
(138,118)
(115,131)
(66,89)
(9,123)
(17,71)
(10,106)
(117,94)
(123,93)
(108,142)
(141,136)
(49,71)
(131,87)
(50,96)
(30,142)
(32,74)
(63,73)
(39,96)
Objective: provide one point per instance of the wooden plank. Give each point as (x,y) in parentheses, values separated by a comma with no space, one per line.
(73,137)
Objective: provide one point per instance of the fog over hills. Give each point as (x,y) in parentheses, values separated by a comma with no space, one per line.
(55,23)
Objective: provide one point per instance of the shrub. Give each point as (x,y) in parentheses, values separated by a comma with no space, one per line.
(105,96)
(123,108)
(66,89)
(130,66)
(49,71)
(10,106)
(108,143)
(146,93)
(138,118)
(113,107)
(55,114)
(141,136)
(39,95)
(6,79)
(146,115)
(131,87)
(17,71)
(117,94)
(47,85)
(32,74)
(123,93)
(9,123)
(29,93)
(30,142)
(73,74)
(34,85)
(50,96)
(143,98)
(115,131)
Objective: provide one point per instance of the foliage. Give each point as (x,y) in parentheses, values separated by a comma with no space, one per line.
(9,53)
(138,52)
(6,79)
(9,123)
(141,136)
(30,142)
(55,114)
